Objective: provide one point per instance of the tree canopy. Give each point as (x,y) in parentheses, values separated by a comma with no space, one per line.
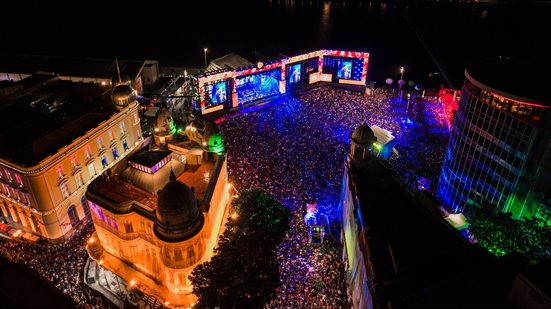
(500,234)
(244,272)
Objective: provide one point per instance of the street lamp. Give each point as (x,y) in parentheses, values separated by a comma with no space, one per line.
(401,82)
(205,53)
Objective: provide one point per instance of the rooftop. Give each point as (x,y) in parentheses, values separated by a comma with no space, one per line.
(119,191)
(148,158)
(414,250)
(198,177)
(513,78)
(231,61)
(43,117)
(69,66)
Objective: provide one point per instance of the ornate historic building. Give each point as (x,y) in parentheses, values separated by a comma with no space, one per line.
(160,215)
(56,137)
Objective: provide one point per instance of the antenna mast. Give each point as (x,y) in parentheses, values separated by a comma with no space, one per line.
(118,70)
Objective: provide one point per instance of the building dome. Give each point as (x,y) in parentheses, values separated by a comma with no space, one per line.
(178,216)
(164,123)
(122,95)
(212,139)
(363,135)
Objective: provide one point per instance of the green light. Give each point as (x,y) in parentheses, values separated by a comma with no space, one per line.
(377,146)
(179,130)
(216,143)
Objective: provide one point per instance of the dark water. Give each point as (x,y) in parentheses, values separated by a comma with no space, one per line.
(423,36)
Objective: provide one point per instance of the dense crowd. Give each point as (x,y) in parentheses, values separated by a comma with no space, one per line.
(295,148)
(312,276)
(62,265)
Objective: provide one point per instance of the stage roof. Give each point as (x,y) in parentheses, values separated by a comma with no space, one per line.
(229,61)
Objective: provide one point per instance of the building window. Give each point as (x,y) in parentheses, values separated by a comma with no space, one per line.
(104,161)
(100,143)
(128,227)
(19,179)
(182,278)
(27,198)
(177,254)
(87,152)
(85,207)
(190,253)
(170,276)
(123,129)
(73,216)
(4,209)
(115,153)
(79,180)
(167,253)
(125,145)
(8,173)
(101,216)
(74,162)
(65,190)
(6,189)
(110,134)
(59,171)
(92,170)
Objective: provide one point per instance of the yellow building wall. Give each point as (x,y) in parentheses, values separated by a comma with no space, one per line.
(170,264)
(48,205)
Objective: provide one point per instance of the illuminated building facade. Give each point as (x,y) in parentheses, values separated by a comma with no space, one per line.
(499,149)
(158,217)
(56,137)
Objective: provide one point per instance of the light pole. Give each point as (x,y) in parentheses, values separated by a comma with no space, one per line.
(205,53)
(400,82)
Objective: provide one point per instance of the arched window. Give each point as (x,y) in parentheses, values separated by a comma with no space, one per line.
(85,207)
(73,217)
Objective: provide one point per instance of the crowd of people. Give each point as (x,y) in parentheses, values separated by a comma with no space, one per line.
(312,276)
(61,265)
(295,149)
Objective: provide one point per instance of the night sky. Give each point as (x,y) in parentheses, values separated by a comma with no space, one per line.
(423,36)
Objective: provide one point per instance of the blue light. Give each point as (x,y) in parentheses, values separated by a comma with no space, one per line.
(258,86)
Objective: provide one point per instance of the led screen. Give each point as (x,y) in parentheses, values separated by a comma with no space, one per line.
(219,93)
(345,70)
(294,74)
(257,86)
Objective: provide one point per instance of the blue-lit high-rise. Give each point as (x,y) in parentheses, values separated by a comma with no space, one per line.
(500,144)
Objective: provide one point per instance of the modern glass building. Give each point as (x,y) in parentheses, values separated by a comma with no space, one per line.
(500,141)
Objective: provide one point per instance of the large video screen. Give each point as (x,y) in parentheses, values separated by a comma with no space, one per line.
(218,93)
(294,73)
(345,70)
(257,86)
